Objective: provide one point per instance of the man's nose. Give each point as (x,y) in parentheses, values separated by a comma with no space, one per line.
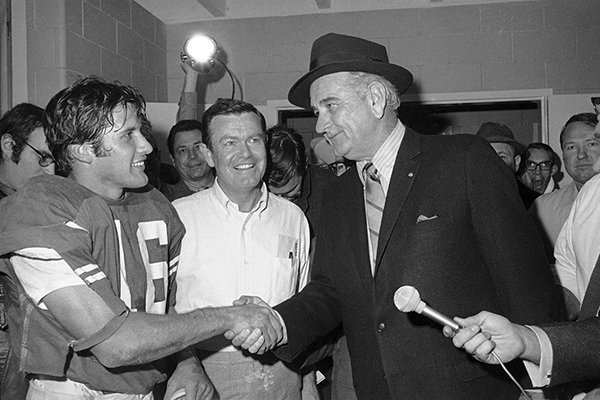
(322,123)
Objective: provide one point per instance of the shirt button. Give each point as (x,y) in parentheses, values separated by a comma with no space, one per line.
(381,327)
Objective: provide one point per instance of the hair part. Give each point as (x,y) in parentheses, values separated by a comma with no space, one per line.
(590,119)
(287,156)
(360,82)
(19,122)
(83,112)
(227,107)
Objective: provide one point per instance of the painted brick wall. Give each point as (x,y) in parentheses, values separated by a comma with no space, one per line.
(490,47)
(113,39)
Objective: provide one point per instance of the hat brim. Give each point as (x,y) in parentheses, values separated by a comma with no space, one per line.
(400,77)
(519,147)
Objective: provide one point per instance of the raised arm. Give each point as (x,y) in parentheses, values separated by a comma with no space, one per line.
(188,100)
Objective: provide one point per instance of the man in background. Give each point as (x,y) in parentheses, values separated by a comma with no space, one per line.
(581,149)
(23,154)
(184,144)
(501,138)
(540,163)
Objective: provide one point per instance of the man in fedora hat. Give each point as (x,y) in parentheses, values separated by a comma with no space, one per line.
(501,138)
(461,243)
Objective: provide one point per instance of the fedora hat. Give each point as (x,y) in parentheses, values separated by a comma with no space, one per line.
(498,133)
(336,53)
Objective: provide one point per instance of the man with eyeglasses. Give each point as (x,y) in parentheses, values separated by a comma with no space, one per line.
(538,167)
(581,149)
(502,140)
(24,154)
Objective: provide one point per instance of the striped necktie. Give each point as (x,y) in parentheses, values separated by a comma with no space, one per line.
(375,200)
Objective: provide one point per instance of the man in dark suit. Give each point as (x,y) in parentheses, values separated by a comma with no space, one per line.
(444,230)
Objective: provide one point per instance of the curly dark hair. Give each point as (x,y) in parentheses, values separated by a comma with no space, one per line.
(287,155)
(83,112)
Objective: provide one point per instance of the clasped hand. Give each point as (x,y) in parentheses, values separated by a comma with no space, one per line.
(257,327)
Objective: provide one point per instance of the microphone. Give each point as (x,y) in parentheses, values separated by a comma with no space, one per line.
(407,299)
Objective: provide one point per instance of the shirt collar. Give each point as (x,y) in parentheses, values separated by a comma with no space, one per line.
(385,157)
(222,198)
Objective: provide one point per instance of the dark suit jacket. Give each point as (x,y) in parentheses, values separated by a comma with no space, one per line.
(575,345)
(479,251)
(575,351)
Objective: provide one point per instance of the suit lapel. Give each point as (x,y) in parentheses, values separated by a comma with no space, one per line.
(403,176)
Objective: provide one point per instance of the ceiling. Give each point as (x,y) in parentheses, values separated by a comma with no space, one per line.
(181,11)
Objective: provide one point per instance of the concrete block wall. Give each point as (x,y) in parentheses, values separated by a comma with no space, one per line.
(113,39)
(470,48)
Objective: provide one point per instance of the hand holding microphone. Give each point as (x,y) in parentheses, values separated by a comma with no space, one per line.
(407,299)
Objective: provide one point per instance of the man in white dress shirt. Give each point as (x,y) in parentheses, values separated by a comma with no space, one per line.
(240,240)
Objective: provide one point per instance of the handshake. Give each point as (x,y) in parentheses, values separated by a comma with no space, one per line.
(256,326)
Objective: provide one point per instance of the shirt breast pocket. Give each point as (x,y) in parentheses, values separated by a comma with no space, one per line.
(285,268)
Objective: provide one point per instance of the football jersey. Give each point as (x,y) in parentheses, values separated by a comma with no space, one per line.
(126,250)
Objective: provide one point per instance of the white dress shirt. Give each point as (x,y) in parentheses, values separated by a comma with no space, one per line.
(384,160)
(227,253)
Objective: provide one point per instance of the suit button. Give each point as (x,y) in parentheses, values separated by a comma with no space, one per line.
(381,327)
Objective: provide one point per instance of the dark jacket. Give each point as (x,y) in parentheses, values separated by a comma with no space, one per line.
(473,248)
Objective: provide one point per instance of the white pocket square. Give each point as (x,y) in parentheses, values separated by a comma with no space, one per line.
(422,218)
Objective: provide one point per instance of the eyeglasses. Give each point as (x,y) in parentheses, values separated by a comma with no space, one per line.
(45,158)
(544,165)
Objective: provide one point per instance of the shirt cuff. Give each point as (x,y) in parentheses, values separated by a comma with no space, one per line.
(541,374)
(282,322)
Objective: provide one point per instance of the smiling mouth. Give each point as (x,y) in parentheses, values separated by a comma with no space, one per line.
(139,164)
(244,167)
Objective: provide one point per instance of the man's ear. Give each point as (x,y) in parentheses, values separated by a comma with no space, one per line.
(554,170)
(377,97)
(207,154)
(517,162)
(82,152)
(7,143)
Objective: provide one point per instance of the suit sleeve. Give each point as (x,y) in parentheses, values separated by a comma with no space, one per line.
(508,240)
(315,311)
(573,348)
